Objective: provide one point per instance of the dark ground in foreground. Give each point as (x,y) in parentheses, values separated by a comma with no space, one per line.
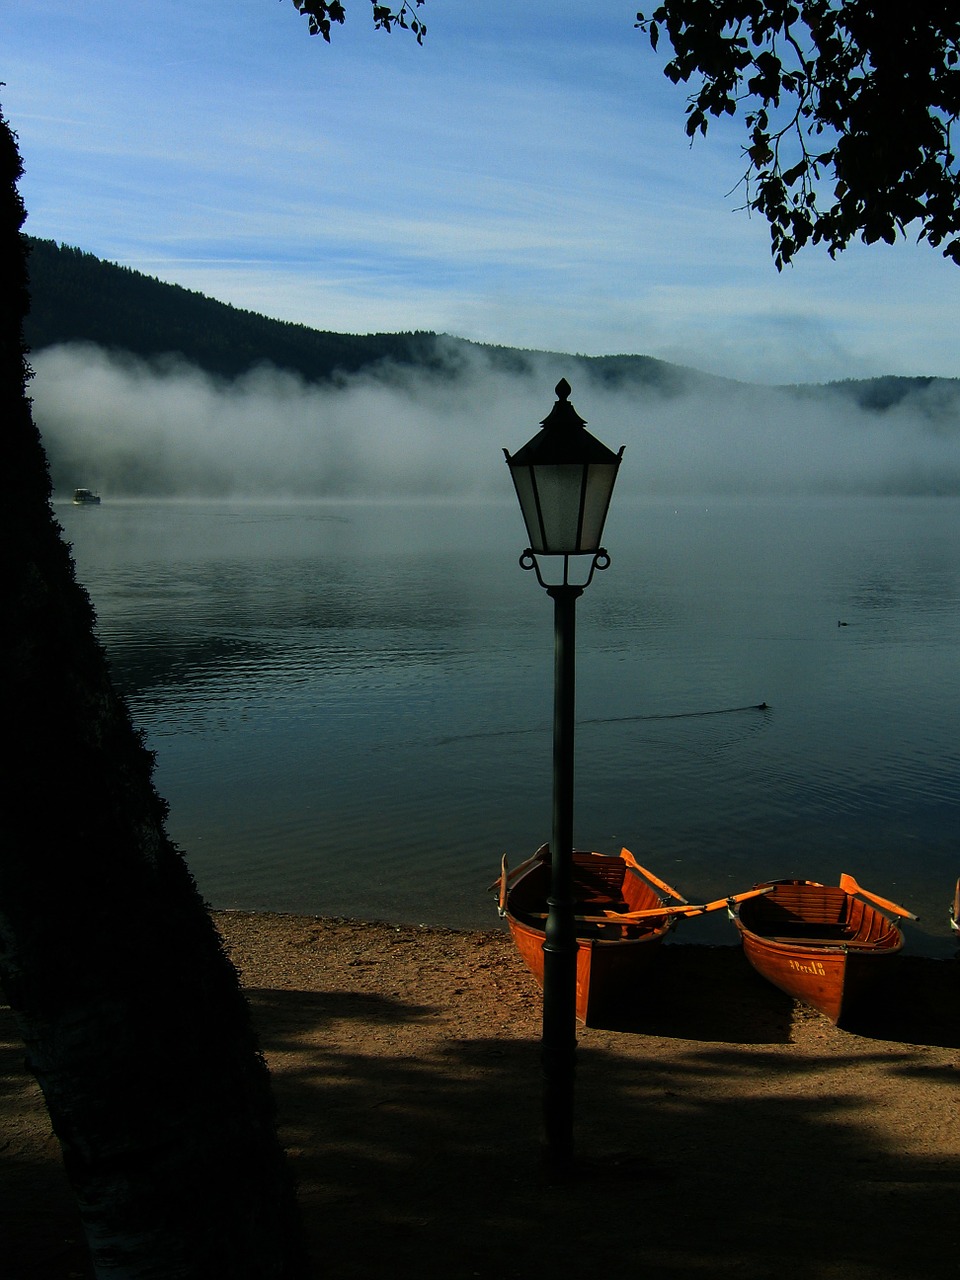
(722,1130)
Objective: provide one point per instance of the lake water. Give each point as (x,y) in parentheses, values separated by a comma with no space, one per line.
(351,702)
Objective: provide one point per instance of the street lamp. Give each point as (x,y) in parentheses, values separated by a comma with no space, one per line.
(564,479)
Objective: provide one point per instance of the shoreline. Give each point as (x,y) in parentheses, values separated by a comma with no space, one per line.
(743,1135)
(914,1005)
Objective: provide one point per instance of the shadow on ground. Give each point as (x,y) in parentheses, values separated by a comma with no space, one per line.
(713,994)
(416,1141)
(698,1159)
(919,1003)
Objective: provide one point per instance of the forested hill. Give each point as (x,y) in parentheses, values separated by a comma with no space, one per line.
(77,297)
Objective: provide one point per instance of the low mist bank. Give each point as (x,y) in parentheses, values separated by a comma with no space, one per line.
(127,427)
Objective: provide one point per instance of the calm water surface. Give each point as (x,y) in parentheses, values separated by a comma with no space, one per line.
(351,702)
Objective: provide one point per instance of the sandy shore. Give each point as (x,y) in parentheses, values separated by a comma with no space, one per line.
(722,1130)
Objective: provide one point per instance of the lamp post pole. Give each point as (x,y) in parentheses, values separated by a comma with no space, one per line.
(564,479)
(559,1044)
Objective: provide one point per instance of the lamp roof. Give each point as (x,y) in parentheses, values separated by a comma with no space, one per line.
(563,438)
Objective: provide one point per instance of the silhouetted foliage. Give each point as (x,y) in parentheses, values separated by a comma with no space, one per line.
(132,1015)
(848,108)
(321,14)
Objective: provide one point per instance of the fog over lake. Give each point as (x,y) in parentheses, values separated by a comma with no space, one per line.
(129,428)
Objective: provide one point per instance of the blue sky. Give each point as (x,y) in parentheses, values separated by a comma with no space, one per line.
(522,179)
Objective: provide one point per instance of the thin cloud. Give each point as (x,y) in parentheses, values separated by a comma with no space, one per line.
(522,180)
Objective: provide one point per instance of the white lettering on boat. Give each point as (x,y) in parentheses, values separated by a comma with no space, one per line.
(814,967)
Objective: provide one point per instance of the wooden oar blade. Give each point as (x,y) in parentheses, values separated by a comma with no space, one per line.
(849,885)
(661,884)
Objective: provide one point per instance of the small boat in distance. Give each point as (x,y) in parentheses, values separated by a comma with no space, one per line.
(822,944)
(623,912)
(85,497)
(955,908)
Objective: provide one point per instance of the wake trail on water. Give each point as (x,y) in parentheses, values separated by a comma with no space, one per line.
(666,715)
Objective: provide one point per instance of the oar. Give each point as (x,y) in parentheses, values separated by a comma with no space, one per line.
(849,885)
(661,884)
(728,902)
(627,917)
(502,898)
(536,857)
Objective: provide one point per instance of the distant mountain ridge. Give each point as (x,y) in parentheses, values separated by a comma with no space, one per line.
(78,297)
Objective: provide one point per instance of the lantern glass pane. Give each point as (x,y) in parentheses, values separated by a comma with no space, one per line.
(523,483)
(559,488)
(599,489)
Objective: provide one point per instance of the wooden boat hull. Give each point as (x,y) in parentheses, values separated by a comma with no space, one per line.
(819,944)
(955,908)
(612,957)
(606,971)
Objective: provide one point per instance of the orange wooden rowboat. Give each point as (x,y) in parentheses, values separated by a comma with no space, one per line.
(622,911)
(821,944)
(955,908)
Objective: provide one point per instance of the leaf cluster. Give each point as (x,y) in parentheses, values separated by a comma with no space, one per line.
(848,107)
(321,14)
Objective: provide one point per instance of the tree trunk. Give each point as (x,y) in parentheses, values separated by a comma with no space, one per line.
(133,1017)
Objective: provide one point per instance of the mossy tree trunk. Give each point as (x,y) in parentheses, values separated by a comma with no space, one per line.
(132,1015)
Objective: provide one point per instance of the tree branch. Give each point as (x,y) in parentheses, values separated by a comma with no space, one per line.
(321,14)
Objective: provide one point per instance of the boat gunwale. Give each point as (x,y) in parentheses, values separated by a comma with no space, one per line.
(825,974)
(888,938)
(609,956)
(641,930)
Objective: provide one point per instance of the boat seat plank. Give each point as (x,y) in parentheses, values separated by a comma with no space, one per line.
(802,930)
(820,906)
(598,887)
(793,940)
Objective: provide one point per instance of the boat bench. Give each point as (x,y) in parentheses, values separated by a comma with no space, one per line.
(796,904)
(804,940)
(805,930)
